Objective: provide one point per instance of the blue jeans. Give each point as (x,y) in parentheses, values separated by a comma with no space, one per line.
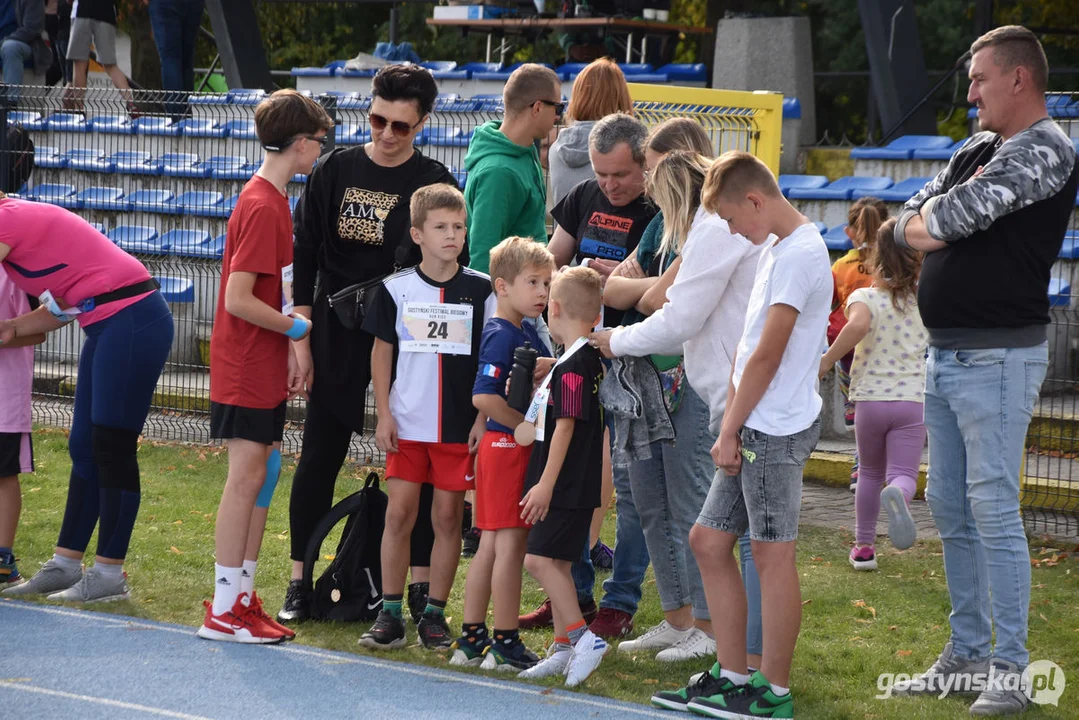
(13,57)
(176,27)
(669,490)
(978,405)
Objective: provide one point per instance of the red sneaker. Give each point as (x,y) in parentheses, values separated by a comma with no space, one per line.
(256,609)
(611,624)
(541,617)
(237,625)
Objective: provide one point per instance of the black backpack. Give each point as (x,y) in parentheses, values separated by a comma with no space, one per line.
(19,153)
(350,588)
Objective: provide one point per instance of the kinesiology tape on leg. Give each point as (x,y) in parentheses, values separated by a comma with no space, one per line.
(273,472)
(118,474)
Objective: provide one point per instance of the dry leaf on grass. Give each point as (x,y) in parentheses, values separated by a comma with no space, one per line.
(649,681)
(176,550)
(861,604)
(806,602)
(904,653)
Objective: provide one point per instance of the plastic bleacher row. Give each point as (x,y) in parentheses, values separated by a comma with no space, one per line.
(674,73)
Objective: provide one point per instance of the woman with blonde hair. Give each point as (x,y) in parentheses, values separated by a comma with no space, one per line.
(599,90)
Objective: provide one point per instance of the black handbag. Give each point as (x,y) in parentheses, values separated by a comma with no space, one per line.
(351,304)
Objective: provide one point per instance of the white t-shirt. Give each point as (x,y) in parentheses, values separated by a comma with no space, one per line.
(889,362)
(793,271)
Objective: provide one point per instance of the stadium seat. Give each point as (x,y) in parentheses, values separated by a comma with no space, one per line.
(900,192)
(112,124)
(135,238)
(182,165)
(636,69)
(60,194)
(648,78)
(792,109)
(500,75)
(488,103)
(216,247)
(159,126)
(103,198)
(939,153)
(448,137)
(841,189)
(821,227)
(155,201)
(1059,293)
(480,67)
(1070,249)
(202,128)
(902,148)
(229,167)
(461,177)
(836,238)
(326,71)
(208,99)
(49,158)
(99,227)
(26,120)
(135,162)
(1061,105)
(350,134)
(439,65)
(66,122)
(789,182)
(241,129)
(685,72)
(175,289)
(243,96)
(354,101)
(570,70)
(88,160)
(201,203)
(187,243)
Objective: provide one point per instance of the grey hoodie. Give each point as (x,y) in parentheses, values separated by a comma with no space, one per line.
(568,160)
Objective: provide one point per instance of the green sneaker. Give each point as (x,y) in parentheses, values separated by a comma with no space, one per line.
(752,700)
(704,684)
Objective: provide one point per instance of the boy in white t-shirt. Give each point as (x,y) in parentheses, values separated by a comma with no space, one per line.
(770,426)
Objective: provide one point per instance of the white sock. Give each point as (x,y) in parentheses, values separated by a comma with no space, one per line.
(69,564)
(113,572)
(226,588)
(736,678)
(777,690)
(247,576)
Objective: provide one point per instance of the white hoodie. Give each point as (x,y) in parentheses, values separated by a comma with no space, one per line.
(705,312)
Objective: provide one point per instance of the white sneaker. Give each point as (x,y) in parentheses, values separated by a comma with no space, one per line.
(660,637)
(555,663)
(696,644)
(587,654)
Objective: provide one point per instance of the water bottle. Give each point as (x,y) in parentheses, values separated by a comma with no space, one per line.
(524,366)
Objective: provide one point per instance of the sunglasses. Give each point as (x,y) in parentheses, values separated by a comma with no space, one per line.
(559,107)
(279,148)
(400,128)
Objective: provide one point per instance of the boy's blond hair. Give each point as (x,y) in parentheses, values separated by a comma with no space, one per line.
(734,174)
(440,196)
(514,255)
(579,291)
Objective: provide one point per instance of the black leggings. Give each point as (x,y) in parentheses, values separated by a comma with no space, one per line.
(325,445)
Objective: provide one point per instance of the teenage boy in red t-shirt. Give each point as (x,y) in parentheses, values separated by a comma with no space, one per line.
(252,362)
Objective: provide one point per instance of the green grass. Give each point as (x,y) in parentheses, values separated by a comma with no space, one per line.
(855,626)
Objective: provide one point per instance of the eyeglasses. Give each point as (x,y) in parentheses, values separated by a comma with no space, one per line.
(400,128)
(280,148)
(559,107)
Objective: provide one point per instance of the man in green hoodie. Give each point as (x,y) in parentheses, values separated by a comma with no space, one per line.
(506,194)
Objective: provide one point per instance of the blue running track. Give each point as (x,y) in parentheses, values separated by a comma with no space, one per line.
(64,663)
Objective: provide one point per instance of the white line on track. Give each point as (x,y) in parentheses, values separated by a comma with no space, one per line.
(100,701)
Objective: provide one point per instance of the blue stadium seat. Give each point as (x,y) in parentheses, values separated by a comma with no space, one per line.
(26,120)
(244,96)
(1059,293)
(182,165)
(103,198)
(636,69)
(155,201)
(480,67)
(685,72)
(944,153)
(789,182)
(900,192)
(60,194)
(293,201)
(1060,105)
(821,227)
(88,160)
(175,289)
(135,238)
(1070,249)
(841,189)
(99,227)
(202,128)
(439,65)
(461,105)
(66,122)
(354,101)
(648,78)
(135,162)
(354,72)
(312,71)
(216,247)
(792,109)
(157,126)
(448,137)
(488,102)
(242,129)
(230,204)
(112,124)
(187,243)
(500,75)
(461,177)
(208,99)
(570,70)
(836,238)
(902,148)
(350,134)
(229,167)
(201,203)
(49,158)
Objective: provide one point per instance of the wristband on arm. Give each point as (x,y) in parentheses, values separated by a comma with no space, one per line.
(298,329)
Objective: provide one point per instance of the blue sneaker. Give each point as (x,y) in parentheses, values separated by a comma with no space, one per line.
(9,572)
(469,654)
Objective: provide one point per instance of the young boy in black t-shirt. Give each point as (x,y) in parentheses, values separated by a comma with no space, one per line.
(562,485)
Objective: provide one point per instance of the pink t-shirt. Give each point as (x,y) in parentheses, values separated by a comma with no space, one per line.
(16,365)
(56,250)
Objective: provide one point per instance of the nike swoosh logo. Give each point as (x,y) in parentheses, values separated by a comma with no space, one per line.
(374,590)
(755,708)
(372,606)
(469,478)
(26,272)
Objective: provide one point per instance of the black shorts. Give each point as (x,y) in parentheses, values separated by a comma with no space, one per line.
(261,425)
(16,454)
(562,535)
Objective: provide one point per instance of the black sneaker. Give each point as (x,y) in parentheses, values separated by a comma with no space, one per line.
(470,544)
(417,600)
(515,656)
(752,700)
(434,632)
(705,685)
(297,603)
(388,633)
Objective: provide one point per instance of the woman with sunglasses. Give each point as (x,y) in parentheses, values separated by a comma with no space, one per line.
(352,226)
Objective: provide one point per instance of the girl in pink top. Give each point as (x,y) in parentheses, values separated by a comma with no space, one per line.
(78,274)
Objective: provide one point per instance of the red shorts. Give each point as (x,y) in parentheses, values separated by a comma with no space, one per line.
(447,466)
(500,479)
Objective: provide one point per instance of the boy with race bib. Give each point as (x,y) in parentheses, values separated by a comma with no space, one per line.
(427,322)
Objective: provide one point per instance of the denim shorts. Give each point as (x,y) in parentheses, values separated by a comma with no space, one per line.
(766,495)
